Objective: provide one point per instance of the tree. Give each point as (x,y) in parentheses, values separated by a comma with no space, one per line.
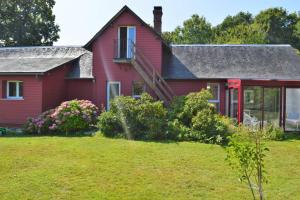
(278,24)
(195,30)
(27,22)
(246,153)
(242,18)
(242,34)
(270,26)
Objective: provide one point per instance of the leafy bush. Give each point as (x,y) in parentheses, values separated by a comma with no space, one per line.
(110,124)
(70,116)
(132,118)
(274,133)
(193,118)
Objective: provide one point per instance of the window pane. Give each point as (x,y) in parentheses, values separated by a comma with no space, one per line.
(214,89)
(233,103)
(217,106)
(114,89)
(292,121)
(138,88)
(271,106)
(20,89)
(123,42)
(252,106)
(12,89)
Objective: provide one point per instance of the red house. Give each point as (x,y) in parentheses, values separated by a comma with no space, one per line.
(256,84)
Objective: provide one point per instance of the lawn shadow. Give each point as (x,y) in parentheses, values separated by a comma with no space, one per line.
(290,136)
(24,135)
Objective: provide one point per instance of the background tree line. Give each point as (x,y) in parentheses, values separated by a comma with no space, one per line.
(270,26)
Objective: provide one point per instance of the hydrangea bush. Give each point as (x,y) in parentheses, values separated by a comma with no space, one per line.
(70,116)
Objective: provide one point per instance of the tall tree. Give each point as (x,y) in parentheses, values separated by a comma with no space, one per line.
(278,25)
(194,30)
(27,23)
(242,18)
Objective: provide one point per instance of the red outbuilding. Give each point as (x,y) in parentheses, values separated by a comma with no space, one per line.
(256,84)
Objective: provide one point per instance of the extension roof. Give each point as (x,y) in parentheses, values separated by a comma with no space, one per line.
(38,60)
(265,62)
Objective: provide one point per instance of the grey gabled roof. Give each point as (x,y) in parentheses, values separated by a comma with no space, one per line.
(276,62)
(32,60)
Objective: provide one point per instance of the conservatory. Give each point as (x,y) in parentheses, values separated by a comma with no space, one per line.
(265,102)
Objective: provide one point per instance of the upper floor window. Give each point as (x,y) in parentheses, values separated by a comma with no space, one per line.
(215,91)
(14,90)
(126,41)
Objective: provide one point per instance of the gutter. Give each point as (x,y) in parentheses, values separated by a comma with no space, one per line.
(21,73)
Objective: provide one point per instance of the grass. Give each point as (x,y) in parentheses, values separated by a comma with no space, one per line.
(101,168)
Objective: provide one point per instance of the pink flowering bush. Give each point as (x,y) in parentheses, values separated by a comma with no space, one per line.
(70,116)
(39,124)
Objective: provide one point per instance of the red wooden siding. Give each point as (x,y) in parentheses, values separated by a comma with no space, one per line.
(55,87)
(183,87)
(103,52)
(80,89)
(16,112)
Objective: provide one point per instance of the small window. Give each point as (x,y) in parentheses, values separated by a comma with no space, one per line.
(14,89)
(138,87)
(215,91)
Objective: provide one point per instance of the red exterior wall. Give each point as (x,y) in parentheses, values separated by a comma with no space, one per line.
(80,89)
(55,87)
(16,112)
(183,87)
(103,52)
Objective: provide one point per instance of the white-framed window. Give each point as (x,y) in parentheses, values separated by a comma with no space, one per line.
(126,39)
(215,91)
(14,90)
(138,87)
(113,90)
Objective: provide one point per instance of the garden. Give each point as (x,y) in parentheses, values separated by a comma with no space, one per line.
(141,149)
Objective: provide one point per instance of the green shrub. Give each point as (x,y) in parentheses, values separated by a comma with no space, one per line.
(274,133)
(110,124)
(132,118)
(195,102)
(193,118)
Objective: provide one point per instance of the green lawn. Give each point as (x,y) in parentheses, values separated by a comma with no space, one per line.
(101,168)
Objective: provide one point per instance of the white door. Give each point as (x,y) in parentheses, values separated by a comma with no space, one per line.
(113,90)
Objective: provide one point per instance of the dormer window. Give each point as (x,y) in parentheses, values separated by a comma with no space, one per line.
(126,39)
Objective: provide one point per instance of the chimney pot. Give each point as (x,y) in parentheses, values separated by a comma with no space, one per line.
(157,13)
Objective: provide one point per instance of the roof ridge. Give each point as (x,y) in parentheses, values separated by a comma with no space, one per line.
(230,45)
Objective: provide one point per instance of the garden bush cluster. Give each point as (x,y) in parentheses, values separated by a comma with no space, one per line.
(130,118)
(193,118)
(70,116)
(188,118)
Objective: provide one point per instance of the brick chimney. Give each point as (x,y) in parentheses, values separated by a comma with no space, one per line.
(157,12)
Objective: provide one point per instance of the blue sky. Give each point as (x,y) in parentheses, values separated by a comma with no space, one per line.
(80,20)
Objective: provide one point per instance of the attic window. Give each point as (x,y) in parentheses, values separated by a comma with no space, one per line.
(14,90)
